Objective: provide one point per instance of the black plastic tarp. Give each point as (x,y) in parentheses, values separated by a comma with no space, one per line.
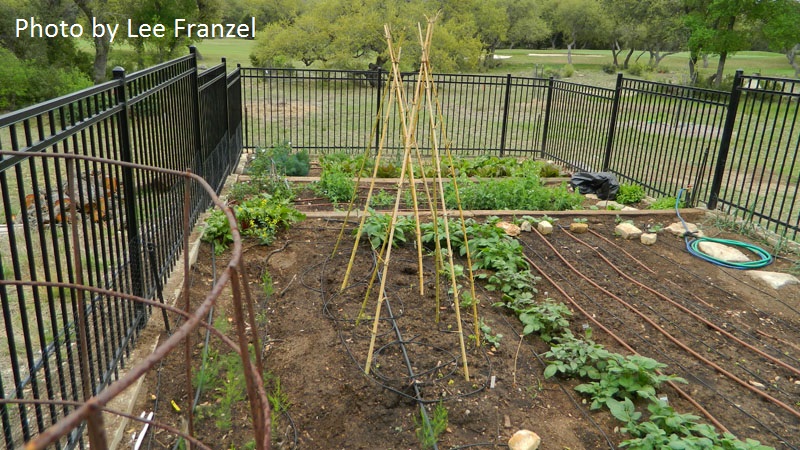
(602,184)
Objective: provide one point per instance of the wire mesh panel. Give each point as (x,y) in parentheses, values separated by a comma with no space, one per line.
(762,173)
(667,136)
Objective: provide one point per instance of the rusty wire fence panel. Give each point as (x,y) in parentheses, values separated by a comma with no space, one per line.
(125,240)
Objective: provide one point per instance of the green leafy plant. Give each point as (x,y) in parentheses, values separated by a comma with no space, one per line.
(573,356)
(666,203)
(338,186)
(280,160)
(382,199)
(624,377)
(218,231)
(548,319)
(429,429)
(262,217)
(376,228)
(489,336)
(629,194)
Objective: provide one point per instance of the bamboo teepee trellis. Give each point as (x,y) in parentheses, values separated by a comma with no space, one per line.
(425,101)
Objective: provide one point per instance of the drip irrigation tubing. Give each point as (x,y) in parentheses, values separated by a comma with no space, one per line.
(693,246)
(672,293)
(726,292)
(686,310)
(675,340)
(690,373)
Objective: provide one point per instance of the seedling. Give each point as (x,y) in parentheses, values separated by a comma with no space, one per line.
(429,429)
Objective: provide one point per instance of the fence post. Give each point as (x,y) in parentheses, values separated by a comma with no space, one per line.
(131,222)
(199,166)
(547,115)
(506,102)
(725,142)
(613,125)
(378,113)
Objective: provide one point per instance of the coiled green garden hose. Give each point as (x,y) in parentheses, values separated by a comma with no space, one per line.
(693,247)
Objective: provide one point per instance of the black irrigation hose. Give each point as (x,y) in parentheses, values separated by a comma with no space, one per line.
(690,373)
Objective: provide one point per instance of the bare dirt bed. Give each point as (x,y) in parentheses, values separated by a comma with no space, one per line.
(317,349)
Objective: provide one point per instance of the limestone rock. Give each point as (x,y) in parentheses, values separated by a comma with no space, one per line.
(722,251)
(545,227)
(649,238)
(678,230)
(578,227)
(525,226)
(775,280)
(591,197)
(509,228)
(609,204)
(524,440)
(627,230)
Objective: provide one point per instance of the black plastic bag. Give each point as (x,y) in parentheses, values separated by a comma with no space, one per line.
(603,184)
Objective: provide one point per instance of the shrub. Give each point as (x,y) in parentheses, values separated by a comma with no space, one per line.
(610,69)
(568,70)
(629,194)
(336,185)
(281,159)
(24,82)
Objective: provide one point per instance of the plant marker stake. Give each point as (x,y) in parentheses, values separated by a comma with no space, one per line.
(140,439)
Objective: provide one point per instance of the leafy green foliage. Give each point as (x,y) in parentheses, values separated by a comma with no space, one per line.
(428,431)
(337,186)
(218,231)
(666,203)
(624,377)
(276,186)
(512,193)
(382,199)
(576,357)
(548,319)
(260,217)
(24,82)
(376,229)
(280,160)
(630,193)
(489,336)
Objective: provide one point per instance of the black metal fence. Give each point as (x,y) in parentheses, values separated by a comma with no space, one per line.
(101,225)
(737,150)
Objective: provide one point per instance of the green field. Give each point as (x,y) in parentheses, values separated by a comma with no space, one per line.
(588,64)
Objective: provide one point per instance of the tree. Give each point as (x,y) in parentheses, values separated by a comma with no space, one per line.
(579,21)
(525,23)
(347,34)
(101,11)
(782,30)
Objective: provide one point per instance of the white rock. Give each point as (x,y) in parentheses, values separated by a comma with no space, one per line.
(649,238)
(545,227)
(525,226)
(591,196)
(722,251)
(775,280)
(627,230)
(678,230)
(524,440)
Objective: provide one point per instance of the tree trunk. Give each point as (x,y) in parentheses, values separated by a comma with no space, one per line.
(791,55)
(102,45)
(722,57)
(615,51)
(569,52)
(693,68)
(628,59)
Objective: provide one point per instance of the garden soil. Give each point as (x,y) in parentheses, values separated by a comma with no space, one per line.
(315,345)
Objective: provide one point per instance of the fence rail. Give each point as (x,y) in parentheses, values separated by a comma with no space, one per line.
(99,223)
(740,156)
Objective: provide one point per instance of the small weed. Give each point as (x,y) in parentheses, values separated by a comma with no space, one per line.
(579,220)
(428,431)
(266,284)
(488,336)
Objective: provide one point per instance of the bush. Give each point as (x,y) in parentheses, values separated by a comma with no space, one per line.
(629,194)
(568,70)
(281,159)
(610,69)
(336,185)
(23,83)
